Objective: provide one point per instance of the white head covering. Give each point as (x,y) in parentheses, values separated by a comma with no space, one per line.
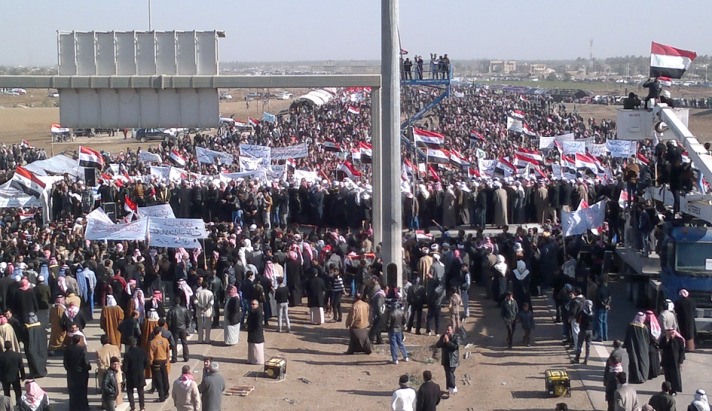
(700,401)
(521,271)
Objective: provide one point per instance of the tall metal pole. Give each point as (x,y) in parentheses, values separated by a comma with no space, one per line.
(150,23)
(377,165)
(391,218)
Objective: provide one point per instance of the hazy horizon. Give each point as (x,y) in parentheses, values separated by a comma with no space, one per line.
(286,31)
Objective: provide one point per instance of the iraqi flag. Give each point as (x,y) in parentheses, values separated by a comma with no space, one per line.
(458,160)
(532,154)
(437,156)
(349,170)
(354,110)
(522,161)
(568,162)
(177,158)
(251,121)
(642,158)
(665,81)
(585,161)
(90,158)
(28,182)
(518,114)
(331,146)
(433,173)
(409,167)
(56,128)
(474,135)
(366,152)
(528,131)
(129,205)
(428,138)
(668,61)
(25,144)
(473,172)
(505,167)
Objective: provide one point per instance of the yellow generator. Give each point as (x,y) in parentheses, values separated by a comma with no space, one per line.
(557,383)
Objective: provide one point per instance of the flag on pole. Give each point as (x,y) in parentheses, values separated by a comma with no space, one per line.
(475,135)
(523,161)
(532,154)
(354,110)
(505,167)
(331,146)
(56,128)
(528,131)
(366,151)
(269,118)
(458,160)
(251,121)
(642,158)
(433,174)
(669,61)
(518,114)
(473,172)
(90,158)
(665,81)
(25,144)
(129,205)
(177,158)
(349,170)
(428,138)
(435,155)
(583,219)
(27,181)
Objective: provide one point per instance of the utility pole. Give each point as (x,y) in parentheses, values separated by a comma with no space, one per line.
(150,23)
(391,217)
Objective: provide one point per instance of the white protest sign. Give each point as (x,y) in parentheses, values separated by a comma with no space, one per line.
(307,175)
(261,152)
(486,166)
(98,229)
(514,124)
(295,151)
(556,171)
(564,137)
(546,143)
(161,172)
(598,150)
(175,232)
(574,147)
(621,148)
(160,210)
(249,163)
(146,157)
(206,156)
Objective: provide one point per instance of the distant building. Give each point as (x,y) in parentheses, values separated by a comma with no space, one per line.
(502,67)
(537,69)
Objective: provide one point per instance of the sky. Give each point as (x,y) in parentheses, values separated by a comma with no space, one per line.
(293,30)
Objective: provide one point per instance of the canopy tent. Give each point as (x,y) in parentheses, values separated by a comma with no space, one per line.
(57,165)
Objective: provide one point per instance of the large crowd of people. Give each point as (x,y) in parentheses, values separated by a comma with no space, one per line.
(273,242)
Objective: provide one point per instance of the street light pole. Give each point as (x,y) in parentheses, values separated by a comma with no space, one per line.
(150,25)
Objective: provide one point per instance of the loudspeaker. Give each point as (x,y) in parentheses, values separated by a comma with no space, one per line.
(90,177)
(110,209)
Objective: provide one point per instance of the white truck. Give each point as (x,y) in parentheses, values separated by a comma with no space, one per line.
(687,259)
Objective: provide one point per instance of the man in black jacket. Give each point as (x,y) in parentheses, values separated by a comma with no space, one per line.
(11,371)
(78,367)
(135,362)
(110,386)
(178,319)
(129,328)
(450,344)
(428,393)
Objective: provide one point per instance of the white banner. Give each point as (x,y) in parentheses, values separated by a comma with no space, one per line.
(175,232)
(564,137)
(206,156)
(295,151)
(597,150)
(146,157)
(160,210)
(98,229)
(514,124)
(621,148)
(161,172)
(573,147)
(307,175)
(546,143)
(277,172)
(556,171)
(250,163)
(486,166)
(261,152)
(581,220)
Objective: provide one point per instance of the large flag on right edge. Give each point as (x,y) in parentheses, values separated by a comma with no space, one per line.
(668,61)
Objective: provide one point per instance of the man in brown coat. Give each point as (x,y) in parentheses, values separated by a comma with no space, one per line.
(357,323)
(158,355)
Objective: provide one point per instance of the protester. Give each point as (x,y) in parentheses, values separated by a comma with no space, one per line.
(233,316)
(110,385)
(357,324)
(626,396)
(664,400)
(700,402)
(186,396)
(428,396)
(178,320)
(405,397)
(395,324)
(450,357)
(509,312)
(158,355)
(135,362)
(685,309)
(637,343)
(255,335)
(526,319)
(12,371)
(672,346)
(34,398)
(77,366)
(212,388)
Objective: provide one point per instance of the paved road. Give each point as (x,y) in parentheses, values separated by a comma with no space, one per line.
(695,369)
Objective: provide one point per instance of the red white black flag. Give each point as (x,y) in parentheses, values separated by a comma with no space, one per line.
(90,158)
(668,61)
(26,181)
